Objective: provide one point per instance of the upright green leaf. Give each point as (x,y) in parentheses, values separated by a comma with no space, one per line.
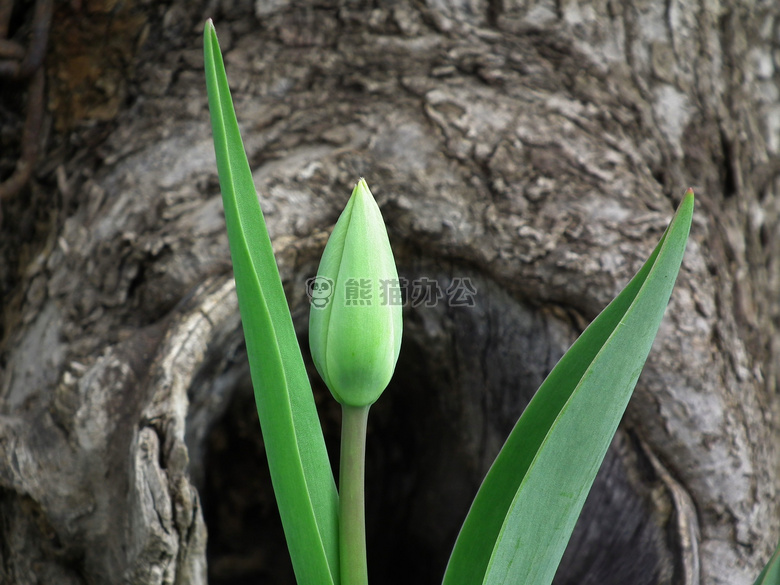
(526,509)
(300,470)
(771,573)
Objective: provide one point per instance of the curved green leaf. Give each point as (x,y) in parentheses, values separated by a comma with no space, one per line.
(300,470)
(771,573)
(525,510)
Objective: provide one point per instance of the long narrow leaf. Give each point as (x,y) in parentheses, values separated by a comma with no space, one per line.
(526,509)
(771,573)
(300,470)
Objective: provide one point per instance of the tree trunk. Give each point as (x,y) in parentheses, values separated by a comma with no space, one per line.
(526,156)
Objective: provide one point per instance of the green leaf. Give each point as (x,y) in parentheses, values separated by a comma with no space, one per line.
(300,470)
(771,573)
(523,515)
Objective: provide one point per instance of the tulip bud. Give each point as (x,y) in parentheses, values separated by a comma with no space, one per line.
(355,333)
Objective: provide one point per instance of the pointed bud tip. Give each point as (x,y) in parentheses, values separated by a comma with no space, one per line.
(362,189)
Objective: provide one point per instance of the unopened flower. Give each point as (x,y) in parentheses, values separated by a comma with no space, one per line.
(355,336)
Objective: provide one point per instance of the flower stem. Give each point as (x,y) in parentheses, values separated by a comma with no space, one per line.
(352,510)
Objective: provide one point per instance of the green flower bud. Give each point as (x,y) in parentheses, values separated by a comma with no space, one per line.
(355,322)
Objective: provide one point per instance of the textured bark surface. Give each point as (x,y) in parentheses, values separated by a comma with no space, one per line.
(535,148)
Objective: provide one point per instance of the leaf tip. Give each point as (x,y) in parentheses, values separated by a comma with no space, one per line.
(687,203)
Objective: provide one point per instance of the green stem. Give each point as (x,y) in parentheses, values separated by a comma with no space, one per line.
(352,509)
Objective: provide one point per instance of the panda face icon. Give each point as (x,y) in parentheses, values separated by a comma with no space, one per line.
(319,290)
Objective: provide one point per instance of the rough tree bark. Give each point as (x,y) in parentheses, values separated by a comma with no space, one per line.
(537,148)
